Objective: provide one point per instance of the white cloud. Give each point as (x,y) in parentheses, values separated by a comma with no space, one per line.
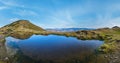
(7,2)
(11,3)
(13,19)
(63,18)
(26,13)
(3,7)
(115,21)
(107,19)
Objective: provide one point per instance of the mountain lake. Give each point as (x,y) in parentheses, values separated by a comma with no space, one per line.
(49,49)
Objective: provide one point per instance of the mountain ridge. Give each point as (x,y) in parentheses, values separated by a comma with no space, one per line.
(68,29)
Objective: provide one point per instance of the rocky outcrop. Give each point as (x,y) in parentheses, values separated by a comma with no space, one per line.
(88,35)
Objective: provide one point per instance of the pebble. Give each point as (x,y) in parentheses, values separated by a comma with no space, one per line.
(6,58)
(111,57)
(113,61)
(116,57)
(105,56)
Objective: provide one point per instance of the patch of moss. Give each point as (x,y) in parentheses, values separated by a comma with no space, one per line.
(107,48)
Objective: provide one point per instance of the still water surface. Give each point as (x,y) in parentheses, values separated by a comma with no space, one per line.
(51,49)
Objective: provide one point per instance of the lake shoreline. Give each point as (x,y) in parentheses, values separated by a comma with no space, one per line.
(110,36)
(68,47)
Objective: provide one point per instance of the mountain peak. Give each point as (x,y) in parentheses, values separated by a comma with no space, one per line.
(22,21)
(115,27)
(22,24)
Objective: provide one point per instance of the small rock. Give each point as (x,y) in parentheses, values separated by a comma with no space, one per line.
(116,57)
(106,56)
(6,58)
(113,61)
(111,57)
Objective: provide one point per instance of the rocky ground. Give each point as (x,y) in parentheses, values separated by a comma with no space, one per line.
(114,57)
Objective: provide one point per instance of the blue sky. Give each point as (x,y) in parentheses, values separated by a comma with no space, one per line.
(62,13)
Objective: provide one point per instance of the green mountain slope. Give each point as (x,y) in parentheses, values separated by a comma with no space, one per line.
(22,25)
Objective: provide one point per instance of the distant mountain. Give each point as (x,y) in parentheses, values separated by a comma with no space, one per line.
(68,29)
(21,25)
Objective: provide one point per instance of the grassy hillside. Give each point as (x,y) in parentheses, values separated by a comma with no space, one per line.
(22,24)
